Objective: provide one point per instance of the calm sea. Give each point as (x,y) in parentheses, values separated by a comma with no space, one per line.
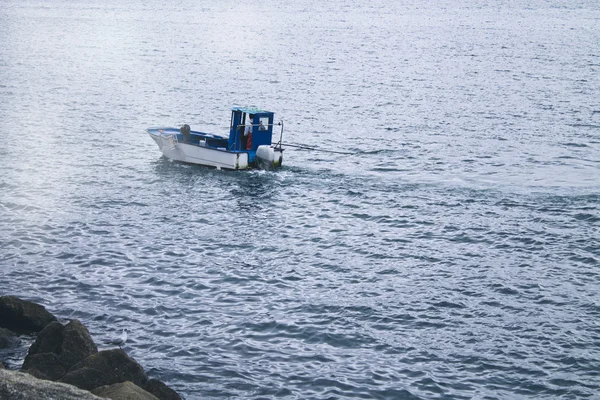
(454,255)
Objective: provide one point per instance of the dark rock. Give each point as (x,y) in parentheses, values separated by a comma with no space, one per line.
(123,391)
(23,316)
(7,338)
(48,340)
(1,365)
(43,360)
(18,386)
(44,366)
(160,390)
(77,344)
(57,348)
(105,368)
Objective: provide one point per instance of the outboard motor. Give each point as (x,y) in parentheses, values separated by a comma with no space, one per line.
(266,158)
(185,131)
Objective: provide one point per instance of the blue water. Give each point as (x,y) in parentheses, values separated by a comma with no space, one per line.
(454,255)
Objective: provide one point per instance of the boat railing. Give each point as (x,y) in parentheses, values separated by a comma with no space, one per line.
(263,125)
(241,127)
(280,136)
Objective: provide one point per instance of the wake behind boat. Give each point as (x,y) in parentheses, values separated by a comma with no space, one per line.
(249,144)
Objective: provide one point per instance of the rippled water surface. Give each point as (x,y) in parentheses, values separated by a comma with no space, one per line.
(454,255)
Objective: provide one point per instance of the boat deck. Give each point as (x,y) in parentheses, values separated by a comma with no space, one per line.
(201,139)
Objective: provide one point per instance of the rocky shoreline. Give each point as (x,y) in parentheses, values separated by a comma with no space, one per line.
(64,362)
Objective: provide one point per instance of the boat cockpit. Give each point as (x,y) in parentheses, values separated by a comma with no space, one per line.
(250,127)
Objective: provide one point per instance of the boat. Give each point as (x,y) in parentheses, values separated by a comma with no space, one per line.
(249,145)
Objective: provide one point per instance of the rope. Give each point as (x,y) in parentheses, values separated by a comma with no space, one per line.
(315,149)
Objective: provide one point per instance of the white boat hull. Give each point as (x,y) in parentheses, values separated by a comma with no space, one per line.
(193,154)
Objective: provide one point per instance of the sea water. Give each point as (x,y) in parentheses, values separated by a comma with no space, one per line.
(453,254)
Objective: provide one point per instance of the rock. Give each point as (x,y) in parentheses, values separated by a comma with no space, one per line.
(19,386)
(77,344)
(48,340)
(23,316)
(160,390)
(68,354)
(57,348)
(42,360)
(7,338)
(123,391)
(44,366)
(105,368)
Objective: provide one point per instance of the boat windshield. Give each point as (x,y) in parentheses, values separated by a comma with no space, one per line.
(263,123)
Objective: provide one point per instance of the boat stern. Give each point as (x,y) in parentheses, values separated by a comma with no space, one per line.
(269,157)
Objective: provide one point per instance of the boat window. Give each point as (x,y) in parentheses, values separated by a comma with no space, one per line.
(263,123)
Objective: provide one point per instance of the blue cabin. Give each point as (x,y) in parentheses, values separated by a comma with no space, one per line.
(260,123)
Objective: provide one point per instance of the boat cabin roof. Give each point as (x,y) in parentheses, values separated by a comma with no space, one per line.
(251,110)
